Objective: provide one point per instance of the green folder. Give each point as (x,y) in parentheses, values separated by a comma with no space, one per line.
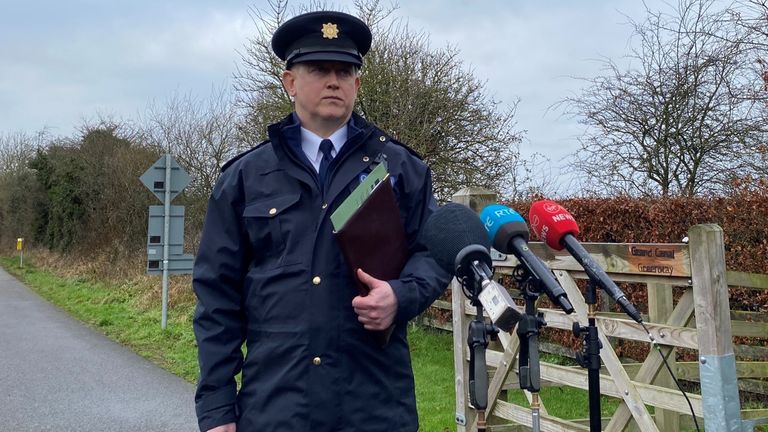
(358,196)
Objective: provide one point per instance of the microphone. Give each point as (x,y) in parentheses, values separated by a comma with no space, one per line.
(458,243)
(509,234)
(456,240)
(557,228)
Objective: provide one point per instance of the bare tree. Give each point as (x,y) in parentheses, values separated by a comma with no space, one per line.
(424,97)
(752,15)
(17,148)
(200,133)
(259,89)
(684,118)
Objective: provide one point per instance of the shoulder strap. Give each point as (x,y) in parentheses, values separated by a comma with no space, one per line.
(236,158)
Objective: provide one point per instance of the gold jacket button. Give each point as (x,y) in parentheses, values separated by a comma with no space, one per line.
(382,138)
(316,361)
(366,158)
(272,211)
(316,280)
(325,205)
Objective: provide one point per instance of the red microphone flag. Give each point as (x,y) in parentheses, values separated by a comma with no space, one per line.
(550,222)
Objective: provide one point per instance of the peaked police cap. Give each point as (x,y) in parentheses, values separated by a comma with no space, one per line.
(322,36)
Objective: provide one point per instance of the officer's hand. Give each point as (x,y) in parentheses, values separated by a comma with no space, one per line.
(377,310)
(229,427)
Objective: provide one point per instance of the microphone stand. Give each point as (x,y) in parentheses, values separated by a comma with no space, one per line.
(589,357)
(478,336)
(528,333)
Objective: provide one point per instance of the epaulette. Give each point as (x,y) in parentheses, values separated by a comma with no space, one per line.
(236,158)
(362,123)
(410,150)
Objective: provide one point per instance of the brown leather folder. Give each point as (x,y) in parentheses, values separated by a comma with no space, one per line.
(374,240)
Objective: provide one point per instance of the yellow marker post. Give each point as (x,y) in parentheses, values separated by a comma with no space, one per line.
(20,248)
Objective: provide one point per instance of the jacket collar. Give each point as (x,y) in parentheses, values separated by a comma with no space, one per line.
(285,136)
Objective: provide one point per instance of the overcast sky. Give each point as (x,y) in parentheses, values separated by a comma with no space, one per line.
(63,62)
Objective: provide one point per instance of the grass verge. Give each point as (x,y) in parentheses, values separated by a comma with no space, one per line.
(122,313)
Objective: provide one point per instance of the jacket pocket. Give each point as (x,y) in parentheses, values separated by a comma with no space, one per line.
(268,225)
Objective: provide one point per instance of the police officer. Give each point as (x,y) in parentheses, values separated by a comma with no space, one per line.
(269,272)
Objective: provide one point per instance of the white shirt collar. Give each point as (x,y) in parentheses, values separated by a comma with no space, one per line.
(310,143)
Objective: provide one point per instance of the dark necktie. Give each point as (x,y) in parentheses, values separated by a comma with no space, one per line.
(325,148)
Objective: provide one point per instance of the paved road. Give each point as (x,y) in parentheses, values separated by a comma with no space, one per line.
(58,375)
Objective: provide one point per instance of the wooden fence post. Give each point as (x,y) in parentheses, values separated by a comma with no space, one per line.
(474,198)
(717,363)
(660,307)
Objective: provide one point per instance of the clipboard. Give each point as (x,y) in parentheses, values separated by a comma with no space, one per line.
(373,239)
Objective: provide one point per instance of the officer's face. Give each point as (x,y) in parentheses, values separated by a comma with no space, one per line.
(323,91)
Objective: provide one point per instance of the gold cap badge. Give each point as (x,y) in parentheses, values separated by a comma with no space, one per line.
(330,31)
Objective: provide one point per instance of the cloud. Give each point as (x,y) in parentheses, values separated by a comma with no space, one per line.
(532,51)
(203,41)
(70,62)
(73,59)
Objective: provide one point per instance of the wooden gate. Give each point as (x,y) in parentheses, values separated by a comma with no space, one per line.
(700,319)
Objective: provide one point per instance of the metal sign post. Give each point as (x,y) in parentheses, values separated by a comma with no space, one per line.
(20,248)
(166,230)
(166,179)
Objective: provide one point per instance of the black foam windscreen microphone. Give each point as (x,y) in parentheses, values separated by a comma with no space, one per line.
(449,231)
(458,242)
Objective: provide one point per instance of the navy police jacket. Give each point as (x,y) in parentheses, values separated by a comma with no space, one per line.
(269,274)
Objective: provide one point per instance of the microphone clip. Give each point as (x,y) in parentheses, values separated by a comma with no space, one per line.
(528,285)
(473,265)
